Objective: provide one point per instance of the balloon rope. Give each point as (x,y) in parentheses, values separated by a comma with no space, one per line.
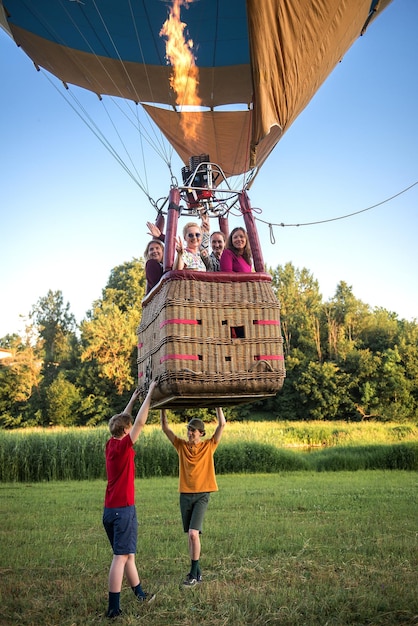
(343,217)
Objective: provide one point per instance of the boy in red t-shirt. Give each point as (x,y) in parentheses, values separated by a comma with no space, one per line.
(119,515)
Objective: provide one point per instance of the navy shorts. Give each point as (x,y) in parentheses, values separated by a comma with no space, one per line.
(121,527)
(193,508)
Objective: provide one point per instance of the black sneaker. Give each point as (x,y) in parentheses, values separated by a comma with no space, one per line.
(199,578)
(189,581)
(112,614)
(147,597)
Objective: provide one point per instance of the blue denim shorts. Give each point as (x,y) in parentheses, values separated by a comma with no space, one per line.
(121,527)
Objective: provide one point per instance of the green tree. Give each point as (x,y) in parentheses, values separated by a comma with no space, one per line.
(380,330)
(99,396)
(126,286)
(109,339)
(300,300)
(395,400)
(56,326)
(57,347)
(63,401)
(289,403)
(322,391)
(363,370)
(345,316)
(407,343)
(20,379)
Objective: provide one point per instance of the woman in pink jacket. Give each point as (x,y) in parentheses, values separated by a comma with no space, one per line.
(237,254)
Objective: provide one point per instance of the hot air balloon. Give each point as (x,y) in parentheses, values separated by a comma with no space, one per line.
(210,338)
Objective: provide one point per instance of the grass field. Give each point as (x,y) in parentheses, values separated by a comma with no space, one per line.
(296,548)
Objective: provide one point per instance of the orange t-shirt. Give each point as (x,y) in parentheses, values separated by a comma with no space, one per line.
(196,466)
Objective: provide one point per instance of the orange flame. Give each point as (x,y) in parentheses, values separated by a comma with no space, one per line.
(185,76)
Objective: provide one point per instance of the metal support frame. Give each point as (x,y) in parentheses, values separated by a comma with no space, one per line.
(245,207)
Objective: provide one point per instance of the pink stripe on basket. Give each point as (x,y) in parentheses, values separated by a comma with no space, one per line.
(266,322)
(179,357)
(178,321)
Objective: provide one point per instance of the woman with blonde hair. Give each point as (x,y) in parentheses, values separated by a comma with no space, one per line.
(188,255)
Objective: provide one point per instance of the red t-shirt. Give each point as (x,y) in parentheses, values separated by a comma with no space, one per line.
(120,469)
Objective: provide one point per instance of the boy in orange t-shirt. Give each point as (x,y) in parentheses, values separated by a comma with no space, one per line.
(196,482)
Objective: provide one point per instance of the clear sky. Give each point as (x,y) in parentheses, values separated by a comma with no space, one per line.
(70,213)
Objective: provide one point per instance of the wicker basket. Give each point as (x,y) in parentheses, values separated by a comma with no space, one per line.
(211,339)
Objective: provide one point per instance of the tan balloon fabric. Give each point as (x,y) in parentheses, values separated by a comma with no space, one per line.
(294,45)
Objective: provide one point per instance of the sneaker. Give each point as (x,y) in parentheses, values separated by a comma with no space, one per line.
(112,614)
(147,597)
(199,578)
(189,581)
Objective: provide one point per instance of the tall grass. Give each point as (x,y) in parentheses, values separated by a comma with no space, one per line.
(78,454)
(288,549)
(319,433)
(64,454)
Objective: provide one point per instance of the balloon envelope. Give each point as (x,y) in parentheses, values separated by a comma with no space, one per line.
(264,60)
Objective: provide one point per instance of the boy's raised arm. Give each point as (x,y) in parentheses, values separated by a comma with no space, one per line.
(221,424)
(142,415)
(164,425)
(130,405)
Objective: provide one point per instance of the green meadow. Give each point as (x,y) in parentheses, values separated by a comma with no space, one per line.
(285,542)
(290,548)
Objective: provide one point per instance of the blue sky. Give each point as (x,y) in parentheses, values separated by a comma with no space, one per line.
(70,213)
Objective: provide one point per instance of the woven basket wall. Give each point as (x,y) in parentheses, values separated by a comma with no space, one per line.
(210,342)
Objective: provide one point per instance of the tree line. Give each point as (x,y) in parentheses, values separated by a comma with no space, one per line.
(343,359)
